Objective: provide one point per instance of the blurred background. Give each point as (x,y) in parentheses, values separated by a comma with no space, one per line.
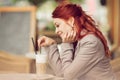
(21,20)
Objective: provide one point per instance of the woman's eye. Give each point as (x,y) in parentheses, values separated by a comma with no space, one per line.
(57,25)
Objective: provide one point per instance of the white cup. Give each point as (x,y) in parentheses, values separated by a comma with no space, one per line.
(41,63)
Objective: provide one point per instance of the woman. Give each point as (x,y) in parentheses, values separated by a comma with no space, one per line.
(85,54)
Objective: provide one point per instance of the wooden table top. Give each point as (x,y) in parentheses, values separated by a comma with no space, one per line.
(24,76)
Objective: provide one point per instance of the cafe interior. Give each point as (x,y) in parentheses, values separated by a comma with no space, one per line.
(22,22)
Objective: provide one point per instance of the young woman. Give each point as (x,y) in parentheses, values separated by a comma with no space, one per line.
(85,54)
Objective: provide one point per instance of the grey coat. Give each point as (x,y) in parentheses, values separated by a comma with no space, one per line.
(87,63)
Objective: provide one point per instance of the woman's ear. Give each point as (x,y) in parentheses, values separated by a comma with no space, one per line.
(71,21)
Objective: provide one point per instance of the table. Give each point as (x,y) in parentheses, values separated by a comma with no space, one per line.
(26,76)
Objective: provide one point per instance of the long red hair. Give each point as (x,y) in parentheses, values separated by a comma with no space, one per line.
(65,11)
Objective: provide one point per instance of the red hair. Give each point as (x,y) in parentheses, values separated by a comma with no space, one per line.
(66,11)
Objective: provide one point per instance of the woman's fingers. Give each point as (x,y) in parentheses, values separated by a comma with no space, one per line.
(64,37)
(41,41)
(74,36)
(45,41)
(69,36)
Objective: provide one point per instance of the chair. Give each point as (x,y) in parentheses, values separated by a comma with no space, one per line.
(116,67)
(16,64)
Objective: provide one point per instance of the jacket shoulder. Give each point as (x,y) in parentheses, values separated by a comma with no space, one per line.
(90,38)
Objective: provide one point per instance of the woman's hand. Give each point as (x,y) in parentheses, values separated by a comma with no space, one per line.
(45,41)
(69,36)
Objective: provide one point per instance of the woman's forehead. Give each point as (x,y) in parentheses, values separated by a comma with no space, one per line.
(58,20)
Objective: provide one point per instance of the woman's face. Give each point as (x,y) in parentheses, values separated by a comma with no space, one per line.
(62,26)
